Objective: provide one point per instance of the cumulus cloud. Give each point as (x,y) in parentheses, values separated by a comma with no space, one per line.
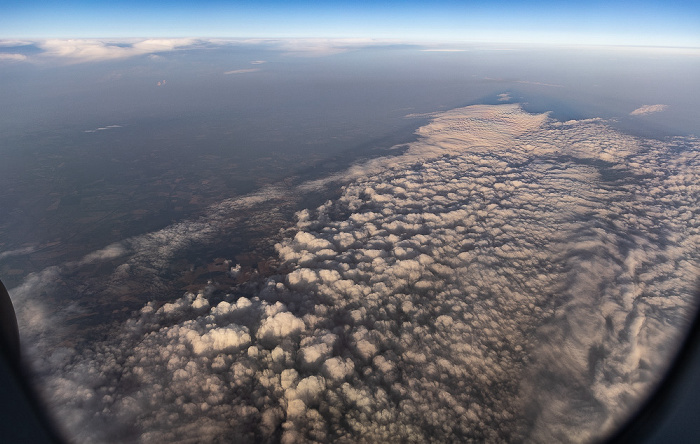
(282,325)
(648,109)
(504,97)
(507,278)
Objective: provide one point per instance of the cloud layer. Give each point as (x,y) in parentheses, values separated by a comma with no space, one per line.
(85,50)
(95,50)
(10,57)
(507,278)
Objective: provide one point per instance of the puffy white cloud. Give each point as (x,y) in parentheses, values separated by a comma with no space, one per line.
(219,340)
(337,368)
(505,263)
(279,326)
(313,355)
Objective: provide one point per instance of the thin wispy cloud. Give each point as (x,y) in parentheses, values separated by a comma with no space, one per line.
(102,128)
(420,115)
(16,252)
(528,82)
(14,42)
(443,50)
(242,71)
(316,47)
(9,57)
(648,109)
(525,82)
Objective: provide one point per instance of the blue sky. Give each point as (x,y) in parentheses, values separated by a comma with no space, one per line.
(671,23)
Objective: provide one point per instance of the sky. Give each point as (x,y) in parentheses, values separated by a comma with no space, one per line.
(647,23)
